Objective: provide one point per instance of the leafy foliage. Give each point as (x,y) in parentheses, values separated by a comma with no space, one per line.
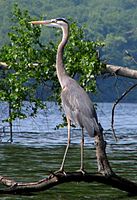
(19,82)
(111,21)
(32,64)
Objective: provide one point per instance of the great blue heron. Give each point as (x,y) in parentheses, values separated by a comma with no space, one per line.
(75,101)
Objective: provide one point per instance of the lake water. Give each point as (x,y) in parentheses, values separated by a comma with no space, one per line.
(38,149)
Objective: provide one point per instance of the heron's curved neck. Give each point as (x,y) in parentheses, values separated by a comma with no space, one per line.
(59,59)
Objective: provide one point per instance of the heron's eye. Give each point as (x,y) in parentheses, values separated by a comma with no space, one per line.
(54,21)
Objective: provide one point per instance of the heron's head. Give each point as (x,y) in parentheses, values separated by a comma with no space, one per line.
(58,23)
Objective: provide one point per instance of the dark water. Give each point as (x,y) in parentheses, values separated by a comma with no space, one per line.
(38,149)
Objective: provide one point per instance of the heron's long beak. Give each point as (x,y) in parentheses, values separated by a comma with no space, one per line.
(40,22)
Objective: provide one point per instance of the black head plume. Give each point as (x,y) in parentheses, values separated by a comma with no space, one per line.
(62,19)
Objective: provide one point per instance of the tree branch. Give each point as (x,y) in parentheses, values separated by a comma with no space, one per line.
(121,71)
(59,178)
(114,106)
(3,65)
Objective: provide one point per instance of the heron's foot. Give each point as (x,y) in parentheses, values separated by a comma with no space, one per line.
(61,170)
(82,171)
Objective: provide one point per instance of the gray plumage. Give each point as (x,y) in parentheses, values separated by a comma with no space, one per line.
(78,106)
(75,101)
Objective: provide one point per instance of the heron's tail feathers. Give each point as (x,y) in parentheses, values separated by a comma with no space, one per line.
(93,126)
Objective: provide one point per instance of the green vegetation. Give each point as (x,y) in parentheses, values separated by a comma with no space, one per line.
(113,22)
(23,77)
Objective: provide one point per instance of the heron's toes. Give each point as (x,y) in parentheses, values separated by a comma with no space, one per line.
(82,171)
(60,171)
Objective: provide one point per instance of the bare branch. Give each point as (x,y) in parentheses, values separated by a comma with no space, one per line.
(3,65)
(121,71)
(114,106)
(59,178)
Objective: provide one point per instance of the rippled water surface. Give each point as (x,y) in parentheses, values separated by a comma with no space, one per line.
(38,149)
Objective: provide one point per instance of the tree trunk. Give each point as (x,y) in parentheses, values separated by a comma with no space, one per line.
(102,161)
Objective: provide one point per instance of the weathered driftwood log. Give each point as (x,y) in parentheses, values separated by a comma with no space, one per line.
(59,178)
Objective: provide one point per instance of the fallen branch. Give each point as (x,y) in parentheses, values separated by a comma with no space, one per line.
(121,71)
(59,178)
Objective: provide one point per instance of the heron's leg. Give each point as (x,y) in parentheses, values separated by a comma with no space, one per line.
(82,151)
(68,143)
(82,154)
